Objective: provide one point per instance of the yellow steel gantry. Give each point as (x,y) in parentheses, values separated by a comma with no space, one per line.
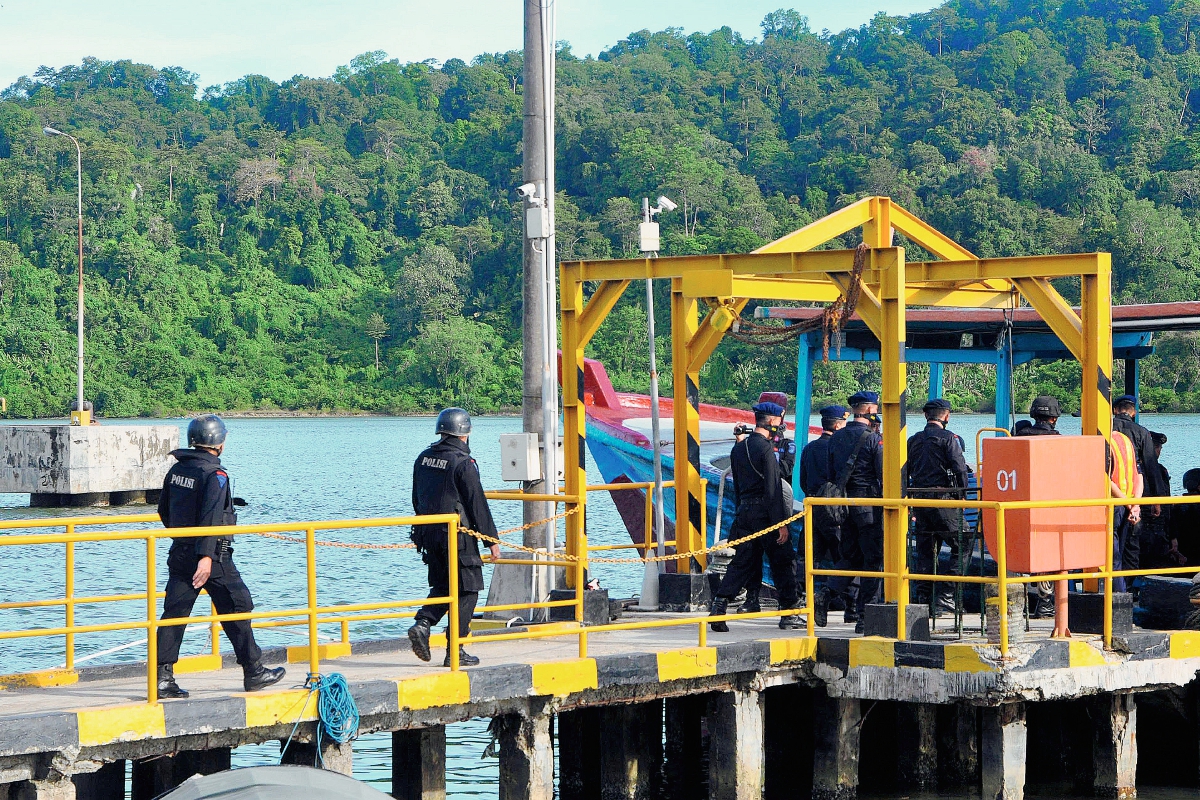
(790,269)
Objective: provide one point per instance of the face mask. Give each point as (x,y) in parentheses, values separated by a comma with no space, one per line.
(776,433)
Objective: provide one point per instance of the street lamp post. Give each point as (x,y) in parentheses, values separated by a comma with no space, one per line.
(80,416)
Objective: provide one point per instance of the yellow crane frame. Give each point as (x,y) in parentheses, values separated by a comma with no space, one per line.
(790,269)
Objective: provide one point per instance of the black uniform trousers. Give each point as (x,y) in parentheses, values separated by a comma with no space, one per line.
(229,596)
(861,550)
(438,560)
(934,526)
(745,570)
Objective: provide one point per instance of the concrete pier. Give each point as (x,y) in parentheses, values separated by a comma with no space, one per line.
(526,757)
(958,746)
(419,763)
(1114,747)
(837,725)
(631,751)
(917,746)
(1004,749)
(736,756)
(82,465)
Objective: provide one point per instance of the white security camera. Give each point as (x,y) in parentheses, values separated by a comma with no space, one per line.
(527,190)
(666,204)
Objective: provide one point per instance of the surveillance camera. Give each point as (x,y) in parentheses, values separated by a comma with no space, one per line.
(666,204)
(527,190)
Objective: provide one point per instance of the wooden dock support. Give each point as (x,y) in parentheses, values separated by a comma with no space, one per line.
(958,746)
(1004,749)
(1114,745)
(837,724)
(526,758)
(631,751)
(917,747)
(419,763)
(736,756)
(103,784)
(684,724)
(334,756)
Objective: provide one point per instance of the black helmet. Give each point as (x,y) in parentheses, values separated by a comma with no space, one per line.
(206,431)
(454,422)
(1044,406)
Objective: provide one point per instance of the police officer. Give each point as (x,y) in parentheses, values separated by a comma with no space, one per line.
(196,493)
(445,481)
(858,448)
(1155,546)
(1124,409)
(935,461)
(1045,411)
(814,473)
(760,504)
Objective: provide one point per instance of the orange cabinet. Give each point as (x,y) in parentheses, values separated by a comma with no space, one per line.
(1047,468)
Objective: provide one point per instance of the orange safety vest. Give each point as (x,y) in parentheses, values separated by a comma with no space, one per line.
(1124,463)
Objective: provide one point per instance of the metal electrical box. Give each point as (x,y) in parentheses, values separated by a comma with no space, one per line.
(537,222)
(648,237)
(520,457)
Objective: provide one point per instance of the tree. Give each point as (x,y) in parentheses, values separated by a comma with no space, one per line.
(376,328)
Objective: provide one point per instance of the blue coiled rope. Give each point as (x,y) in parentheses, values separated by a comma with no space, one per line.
(336,710)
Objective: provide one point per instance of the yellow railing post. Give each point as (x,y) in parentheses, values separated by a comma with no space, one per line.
(151,620)
(1002,579)
(452,637)
(809,578)
(214,629)
(345,632)
(310,546)
(70,598)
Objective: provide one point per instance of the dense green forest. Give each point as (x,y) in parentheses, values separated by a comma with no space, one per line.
(256,245)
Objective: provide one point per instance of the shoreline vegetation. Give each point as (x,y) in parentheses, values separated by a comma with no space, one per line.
(352,243)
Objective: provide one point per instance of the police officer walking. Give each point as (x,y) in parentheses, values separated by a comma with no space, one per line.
(814,473)
(196,493)
(856,453)
(760,504)
(935,462)
(1124,409)
(446,481)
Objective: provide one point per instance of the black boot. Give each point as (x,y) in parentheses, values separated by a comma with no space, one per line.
(465,659)
(821,607)
(418,634)
(750,605)
(945,603)
(1044,608)
(794,621)
(168,689)
(719,606)
(256,676)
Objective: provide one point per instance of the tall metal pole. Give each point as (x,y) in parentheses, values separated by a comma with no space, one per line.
(549,259)
(533,170)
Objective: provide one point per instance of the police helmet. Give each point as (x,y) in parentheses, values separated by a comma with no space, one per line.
(206,431)
(1191,480)
(1045,405)
(454,422)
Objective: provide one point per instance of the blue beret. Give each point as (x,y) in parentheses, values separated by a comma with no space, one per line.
(1125,398)
(937,404)
(834,412)
(770,409)
(859,398)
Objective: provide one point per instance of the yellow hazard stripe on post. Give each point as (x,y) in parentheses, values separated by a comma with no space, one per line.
(45,678)
(1082,654)
(561,678)
(120,723)
(276,707)
(1185,644)
(872,651)
(965,658)
(431,691)
(298,654)
(690,662)
(795,648)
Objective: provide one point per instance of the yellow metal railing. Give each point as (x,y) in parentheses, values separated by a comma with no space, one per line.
(313,615)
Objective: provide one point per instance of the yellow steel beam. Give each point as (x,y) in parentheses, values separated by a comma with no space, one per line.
(574,341)
(711,331)
(1056,311)
(689,491)
(1003,269)
(929,237)
(1096,307)
(868,308)
(811,264)
(821,231)
(598,307)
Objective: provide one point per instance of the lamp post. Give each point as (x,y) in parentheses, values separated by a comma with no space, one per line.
(80,416)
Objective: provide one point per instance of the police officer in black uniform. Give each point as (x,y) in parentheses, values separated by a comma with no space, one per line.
(197,493)
(814,473)
(760,504)
(935,461)
(1124,410)
(862,532)
(1045,412)
(446,481)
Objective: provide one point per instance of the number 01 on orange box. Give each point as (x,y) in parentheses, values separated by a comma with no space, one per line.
(1047,468)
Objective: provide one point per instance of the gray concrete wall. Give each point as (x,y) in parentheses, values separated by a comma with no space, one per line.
(64,459)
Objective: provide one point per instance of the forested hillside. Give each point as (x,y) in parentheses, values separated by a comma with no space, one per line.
(253,245)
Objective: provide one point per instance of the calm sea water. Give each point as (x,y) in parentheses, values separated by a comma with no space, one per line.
(314,469)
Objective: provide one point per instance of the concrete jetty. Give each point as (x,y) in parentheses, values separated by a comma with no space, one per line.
(778,714)
(85,465)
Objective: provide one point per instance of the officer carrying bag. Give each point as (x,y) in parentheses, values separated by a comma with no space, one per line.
(833,516)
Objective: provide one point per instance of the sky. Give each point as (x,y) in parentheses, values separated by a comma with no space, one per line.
(223,40)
